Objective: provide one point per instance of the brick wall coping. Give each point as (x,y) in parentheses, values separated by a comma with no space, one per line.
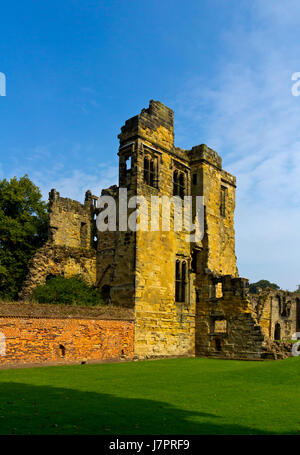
(45,311)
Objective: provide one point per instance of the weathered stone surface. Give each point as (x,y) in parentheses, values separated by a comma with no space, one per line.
(59,260)
(277,309)
(137,270)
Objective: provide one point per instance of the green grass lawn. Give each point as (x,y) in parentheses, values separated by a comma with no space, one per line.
(178,396)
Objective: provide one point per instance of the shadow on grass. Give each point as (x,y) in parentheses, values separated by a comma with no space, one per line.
(28,409)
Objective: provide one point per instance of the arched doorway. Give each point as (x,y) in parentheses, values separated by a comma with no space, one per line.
(277,331)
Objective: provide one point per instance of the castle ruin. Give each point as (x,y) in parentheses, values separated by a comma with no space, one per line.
(187,297)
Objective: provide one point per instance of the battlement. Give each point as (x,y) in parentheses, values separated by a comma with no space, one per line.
(204,153)
(156,124)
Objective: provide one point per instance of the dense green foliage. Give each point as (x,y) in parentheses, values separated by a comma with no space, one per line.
(67,291)
(263,284)
(173,396)
(23,229)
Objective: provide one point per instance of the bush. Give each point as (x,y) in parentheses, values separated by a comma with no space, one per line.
(262,284)
(67,291)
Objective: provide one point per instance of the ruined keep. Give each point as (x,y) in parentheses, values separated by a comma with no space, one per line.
(187,297)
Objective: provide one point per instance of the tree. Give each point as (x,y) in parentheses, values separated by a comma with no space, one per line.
(263,284)
(67,291)
(23,229)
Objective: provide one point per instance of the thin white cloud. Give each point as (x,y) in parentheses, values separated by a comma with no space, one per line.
(248,114)
(76,182)
(48,167)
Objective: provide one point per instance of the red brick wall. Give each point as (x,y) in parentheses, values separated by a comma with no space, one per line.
(38,340)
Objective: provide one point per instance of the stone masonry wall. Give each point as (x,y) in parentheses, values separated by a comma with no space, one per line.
(163,327)
(71,223)
(41,340)
(278,313)
(226,325)
(59,260)
(70,249)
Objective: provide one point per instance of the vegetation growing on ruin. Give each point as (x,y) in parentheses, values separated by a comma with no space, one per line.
(67,291)
(262,284)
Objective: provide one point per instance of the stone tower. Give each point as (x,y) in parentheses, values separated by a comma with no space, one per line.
(166,269)
(186,293)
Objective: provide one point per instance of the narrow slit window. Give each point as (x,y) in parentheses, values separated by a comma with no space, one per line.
(175,184)
(177,282)
(183,282)
(128,164)
(146,171)
(180,281)
(181,185)
(223,201)
(194,261)
(151,174)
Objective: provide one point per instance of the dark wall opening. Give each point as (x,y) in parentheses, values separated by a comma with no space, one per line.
(277,332)
(105,293)
(218,343)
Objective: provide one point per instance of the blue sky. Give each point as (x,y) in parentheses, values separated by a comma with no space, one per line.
(76,70)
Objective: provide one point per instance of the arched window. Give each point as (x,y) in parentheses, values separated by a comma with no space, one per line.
(178,184)
(283,313)
(150,174)
(277,300)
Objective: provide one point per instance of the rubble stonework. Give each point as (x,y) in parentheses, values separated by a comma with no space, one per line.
(277,312)
(186,296)
(70,249)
